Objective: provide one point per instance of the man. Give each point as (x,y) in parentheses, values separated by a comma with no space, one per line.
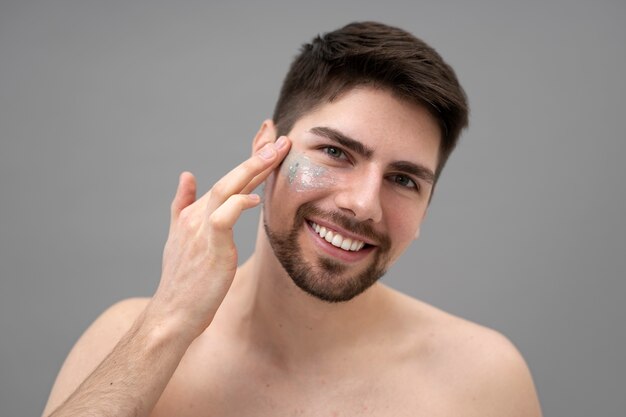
(366,120)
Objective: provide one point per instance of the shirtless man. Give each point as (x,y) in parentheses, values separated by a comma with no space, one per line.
(365,121)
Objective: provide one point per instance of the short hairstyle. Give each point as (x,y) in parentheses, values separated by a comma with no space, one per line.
(381,56)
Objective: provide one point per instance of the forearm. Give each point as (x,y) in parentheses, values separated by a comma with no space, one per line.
(130,380)
(199,264)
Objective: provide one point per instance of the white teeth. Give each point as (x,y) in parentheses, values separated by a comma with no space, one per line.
(337,240)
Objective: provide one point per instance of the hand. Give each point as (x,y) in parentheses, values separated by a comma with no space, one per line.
(200,256)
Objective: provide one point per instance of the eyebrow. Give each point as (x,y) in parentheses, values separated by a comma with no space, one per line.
(417,170)
(340,138)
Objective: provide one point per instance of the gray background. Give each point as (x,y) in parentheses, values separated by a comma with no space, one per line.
(103,104)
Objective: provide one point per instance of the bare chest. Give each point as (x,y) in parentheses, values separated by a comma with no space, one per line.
(233,390)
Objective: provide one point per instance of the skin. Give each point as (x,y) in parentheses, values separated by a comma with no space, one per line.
(221,340)
(305,175)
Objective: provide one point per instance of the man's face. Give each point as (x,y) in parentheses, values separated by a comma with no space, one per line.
(352,193)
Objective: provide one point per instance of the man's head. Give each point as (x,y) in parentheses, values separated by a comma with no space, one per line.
(372,114)
(381,56)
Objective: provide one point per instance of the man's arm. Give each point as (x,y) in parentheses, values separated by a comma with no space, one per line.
(199,263)
(117,366)
(92,347)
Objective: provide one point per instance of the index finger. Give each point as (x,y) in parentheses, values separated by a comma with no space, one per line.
(259,178)
(245,177)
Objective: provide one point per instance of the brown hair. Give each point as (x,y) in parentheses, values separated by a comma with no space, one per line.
(371,53)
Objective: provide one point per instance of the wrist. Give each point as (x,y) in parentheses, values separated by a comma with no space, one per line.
(165,328)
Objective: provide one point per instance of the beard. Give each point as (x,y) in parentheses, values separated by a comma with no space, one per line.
(326,278)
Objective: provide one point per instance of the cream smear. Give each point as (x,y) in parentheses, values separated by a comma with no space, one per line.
(304,175)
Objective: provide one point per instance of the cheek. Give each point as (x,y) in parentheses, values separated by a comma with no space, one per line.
(296,181)
(404,219)
(304,176)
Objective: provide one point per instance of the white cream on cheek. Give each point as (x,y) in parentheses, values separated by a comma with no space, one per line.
(305,175)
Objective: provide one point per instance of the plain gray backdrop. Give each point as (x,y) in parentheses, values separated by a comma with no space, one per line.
(103,104)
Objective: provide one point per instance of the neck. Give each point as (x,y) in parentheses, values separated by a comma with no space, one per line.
(273,313)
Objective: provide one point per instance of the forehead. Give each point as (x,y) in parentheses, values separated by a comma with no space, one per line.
(394,129)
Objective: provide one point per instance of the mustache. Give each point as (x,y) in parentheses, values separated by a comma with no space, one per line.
(361,228)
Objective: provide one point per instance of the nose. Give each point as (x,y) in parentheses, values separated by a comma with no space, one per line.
(360,195)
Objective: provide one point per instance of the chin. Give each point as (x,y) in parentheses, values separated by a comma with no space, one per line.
(327,272)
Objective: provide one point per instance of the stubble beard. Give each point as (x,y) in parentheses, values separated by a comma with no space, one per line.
(325,279)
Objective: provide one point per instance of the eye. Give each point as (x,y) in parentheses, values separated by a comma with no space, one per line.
(334,152)
(404,181)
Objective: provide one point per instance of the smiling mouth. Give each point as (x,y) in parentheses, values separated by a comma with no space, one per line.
(336,239)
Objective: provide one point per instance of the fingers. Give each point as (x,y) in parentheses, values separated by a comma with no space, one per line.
(240,181)
(260,178)
(223,219)
(185,195)
(245,177)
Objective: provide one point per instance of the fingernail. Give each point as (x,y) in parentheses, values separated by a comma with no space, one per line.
(266,152)
(281,142)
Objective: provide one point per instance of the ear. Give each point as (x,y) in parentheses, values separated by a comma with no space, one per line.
(266,134)
(419,228)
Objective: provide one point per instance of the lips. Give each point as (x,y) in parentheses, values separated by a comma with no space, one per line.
(337,239)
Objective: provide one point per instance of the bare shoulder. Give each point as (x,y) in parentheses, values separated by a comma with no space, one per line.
(93,346)
(478,366)
(492,375)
